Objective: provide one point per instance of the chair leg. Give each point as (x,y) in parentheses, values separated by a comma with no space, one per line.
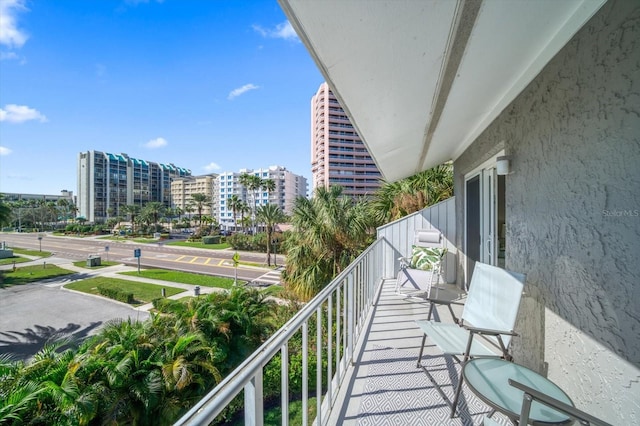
(424,339)
(457,395)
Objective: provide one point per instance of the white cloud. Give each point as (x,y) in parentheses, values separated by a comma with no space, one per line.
(10,34)
(283,30)
(5,151)
(211,167)
(240,90)
(156,143)
(20,113)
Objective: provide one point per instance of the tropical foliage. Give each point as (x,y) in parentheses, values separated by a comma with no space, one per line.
(270,215)
(330,231)
(398,199)
(141,373)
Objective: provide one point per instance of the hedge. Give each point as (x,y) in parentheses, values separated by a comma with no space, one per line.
(116,294)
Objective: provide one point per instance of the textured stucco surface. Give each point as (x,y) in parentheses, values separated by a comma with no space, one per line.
(573,213)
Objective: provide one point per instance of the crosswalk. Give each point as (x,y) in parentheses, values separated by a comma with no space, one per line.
(270,278)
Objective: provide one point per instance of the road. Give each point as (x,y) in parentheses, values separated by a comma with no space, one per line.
(34,314)
(209,262)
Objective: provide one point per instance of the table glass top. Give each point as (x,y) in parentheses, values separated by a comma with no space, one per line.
(488,377)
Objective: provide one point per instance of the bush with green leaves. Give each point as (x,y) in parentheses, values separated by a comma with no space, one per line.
(115,294)
(211,239)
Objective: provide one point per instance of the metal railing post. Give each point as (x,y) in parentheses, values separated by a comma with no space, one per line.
(319,366)
(305,374)
(284,383)
(350,317)
(253,397)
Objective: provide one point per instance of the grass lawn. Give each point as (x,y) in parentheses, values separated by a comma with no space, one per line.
(142,292)
(184,278)
(16,259)
(28,274)
(31,252)
(104,264)
(199,245)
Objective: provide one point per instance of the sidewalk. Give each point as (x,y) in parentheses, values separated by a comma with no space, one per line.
(113,272)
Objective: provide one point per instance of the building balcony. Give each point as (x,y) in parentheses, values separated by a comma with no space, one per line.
(370,374)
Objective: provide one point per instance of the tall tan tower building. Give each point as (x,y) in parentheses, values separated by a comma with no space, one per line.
(338,156)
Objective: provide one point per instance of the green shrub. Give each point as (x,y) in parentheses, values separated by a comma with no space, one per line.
(116,294)
(211,239)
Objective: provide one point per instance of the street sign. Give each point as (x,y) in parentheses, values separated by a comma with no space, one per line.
(236,259)
(106,248)
(137,254)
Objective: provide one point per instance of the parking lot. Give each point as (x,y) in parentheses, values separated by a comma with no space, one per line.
(34,314)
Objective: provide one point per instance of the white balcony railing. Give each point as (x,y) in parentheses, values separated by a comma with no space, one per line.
(342,307)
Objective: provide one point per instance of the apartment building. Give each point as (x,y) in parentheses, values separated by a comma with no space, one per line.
(14,196)
(183,188)
(109,182)
(338,155)
(288,186)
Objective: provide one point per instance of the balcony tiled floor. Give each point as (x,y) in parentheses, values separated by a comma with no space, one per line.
(386,388)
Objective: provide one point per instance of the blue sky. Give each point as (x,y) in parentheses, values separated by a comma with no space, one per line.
(211,86)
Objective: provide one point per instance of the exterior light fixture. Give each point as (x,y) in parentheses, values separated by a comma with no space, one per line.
(503,165)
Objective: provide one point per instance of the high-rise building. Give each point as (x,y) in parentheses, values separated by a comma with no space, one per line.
(338,155)
(288,186)
(183,189)
(109,182)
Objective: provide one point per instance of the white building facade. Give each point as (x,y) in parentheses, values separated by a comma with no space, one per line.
(288,186)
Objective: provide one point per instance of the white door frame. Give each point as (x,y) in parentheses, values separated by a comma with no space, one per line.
(488,212)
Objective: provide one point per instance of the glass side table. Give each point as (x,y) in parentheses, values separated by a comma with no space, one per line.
(488,379)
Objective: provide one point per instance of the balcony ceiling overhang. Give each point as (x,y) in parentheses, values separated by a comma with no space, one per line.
(421,79)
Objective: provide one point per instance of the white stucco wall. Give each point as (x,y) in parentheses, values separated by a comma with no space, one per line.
(573,213)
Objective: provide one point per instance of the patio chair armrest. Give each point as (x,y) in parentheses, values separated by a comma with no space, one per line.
(531,395)
(489,331)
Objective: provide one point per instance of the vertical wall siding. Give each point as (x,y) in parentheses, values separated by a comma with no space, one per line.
(400,233)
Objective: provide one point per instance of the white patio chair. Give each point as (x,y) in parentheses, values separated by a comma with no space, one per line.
(418,272)
(490,311)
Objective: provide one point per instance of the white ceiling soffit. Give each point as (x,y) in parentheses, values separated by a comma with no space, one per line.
(420,79)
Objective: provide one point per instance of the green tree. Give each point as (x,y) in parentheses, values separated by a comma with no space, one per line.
(5,213)
(235,204)
(330,231)
(154,210)
(132,210)
(252,183)
(270,215)
(394,200)
(200,200)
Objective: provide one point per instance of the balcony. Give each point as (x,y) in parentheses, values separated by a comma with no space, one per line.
(370,372)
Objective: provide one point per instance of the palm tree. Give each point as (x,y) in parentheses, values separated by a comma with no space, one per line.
(252,183)
(235,204)
(132,210)
(154,210)
(5,213)
(270,215)
(268,185)
(189,209)
(330,230)
(244,209)
(394,200)
(200,200)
